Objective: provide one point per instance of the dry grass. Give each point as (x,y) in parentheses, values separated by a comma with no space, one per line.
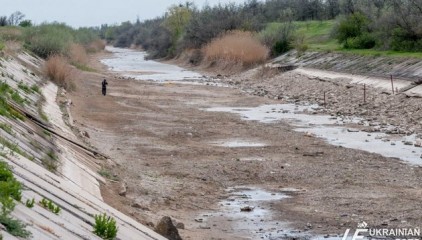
(77,54)
(96,46)
(58,70)
(236,47)
(11,33)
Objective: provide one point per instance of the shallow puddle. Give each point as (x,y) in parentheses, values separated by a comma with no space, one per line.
(258,222)
(374,142)
(329,128)
(131,63)
(237,143)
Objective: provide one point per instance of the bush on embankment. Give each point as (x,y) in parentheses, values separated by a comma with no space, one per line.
(236,47)
(58,70)
(62,45)
(49,39)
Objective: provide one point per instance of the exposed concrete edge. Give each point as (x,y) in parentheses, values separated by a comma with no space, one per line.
(414,92)
(376,82)
(71,168)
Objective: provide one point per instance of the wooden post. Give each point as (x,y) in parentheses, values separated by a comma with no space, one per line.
(392,83)
(325,102)
(364,93)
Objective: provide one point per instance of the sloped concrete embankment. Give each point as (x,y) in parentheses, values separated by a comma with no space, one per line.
(51,167)
(372,71)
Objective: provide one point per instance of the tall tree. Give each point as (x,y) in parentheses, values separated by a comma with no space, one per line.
(15,18)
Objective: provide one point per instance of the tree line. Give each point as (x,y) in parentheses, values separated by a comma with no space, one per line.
(15,19)
(380,24)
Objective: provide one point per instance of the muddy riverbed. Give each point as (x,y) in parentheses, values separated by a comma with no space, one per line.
(200,153)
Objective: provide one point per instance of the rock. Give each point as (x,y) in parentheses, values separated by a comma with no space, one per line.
(199,220)
(247,209)
(85,134)
(352,130)
(309,226)
(139,204)
(110,163)
(313,154)
(123,189)
(309,134)
(418,143)
(166,228)
(180,225)
(408,143)
(2,227)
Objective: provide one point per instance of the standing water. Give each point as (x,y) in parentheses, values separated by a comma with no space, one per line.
(133,64)
(330,129)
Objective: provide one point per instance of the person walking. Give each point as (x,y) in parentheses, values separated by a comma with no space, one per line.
(104,86)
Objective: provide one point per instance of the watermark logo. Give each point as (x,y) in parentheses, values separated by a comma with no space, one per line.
(362,225)
(363,231)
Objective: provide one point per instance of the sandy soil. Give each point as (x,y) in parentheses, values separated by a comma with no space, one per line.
(159,138)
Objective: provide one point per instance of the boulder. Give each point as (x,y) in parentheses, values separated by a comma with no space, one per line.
(123,189)
(166,228)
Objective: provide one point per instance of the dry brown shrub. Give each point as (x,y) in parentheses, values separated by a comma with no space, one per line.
(58,70)
(77,54)
(96,46)
(236,47)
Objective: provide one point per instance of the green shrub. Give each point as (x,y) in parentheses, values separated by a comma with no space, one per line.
(281,47)
(7,128)
(49,39)
(105,227)
(35,88)
(30,203)
(353,32)
(364,41)
(17,98)
(48,204)
(85,36)
(14,227)
(402,40)
(278,37)
(10,190)
(25,23)
(44,203)
(6,110)
(24,87)
(49,164)
(9,186)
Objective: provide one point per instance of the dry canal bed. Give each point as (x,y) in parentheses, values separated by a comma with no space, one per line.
(183,150)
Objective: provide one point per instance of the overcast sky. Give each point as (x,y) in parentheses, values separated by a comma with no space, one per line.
(86,13)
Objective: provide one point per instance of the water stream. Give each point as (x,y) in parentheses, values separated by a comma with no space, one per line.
(132,64)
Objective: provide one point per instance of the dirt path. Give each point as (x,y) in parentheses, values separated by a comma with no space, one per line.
(161,141)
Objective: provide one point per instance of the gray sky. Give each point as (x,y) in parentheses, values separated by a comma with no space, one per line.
(81,13)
